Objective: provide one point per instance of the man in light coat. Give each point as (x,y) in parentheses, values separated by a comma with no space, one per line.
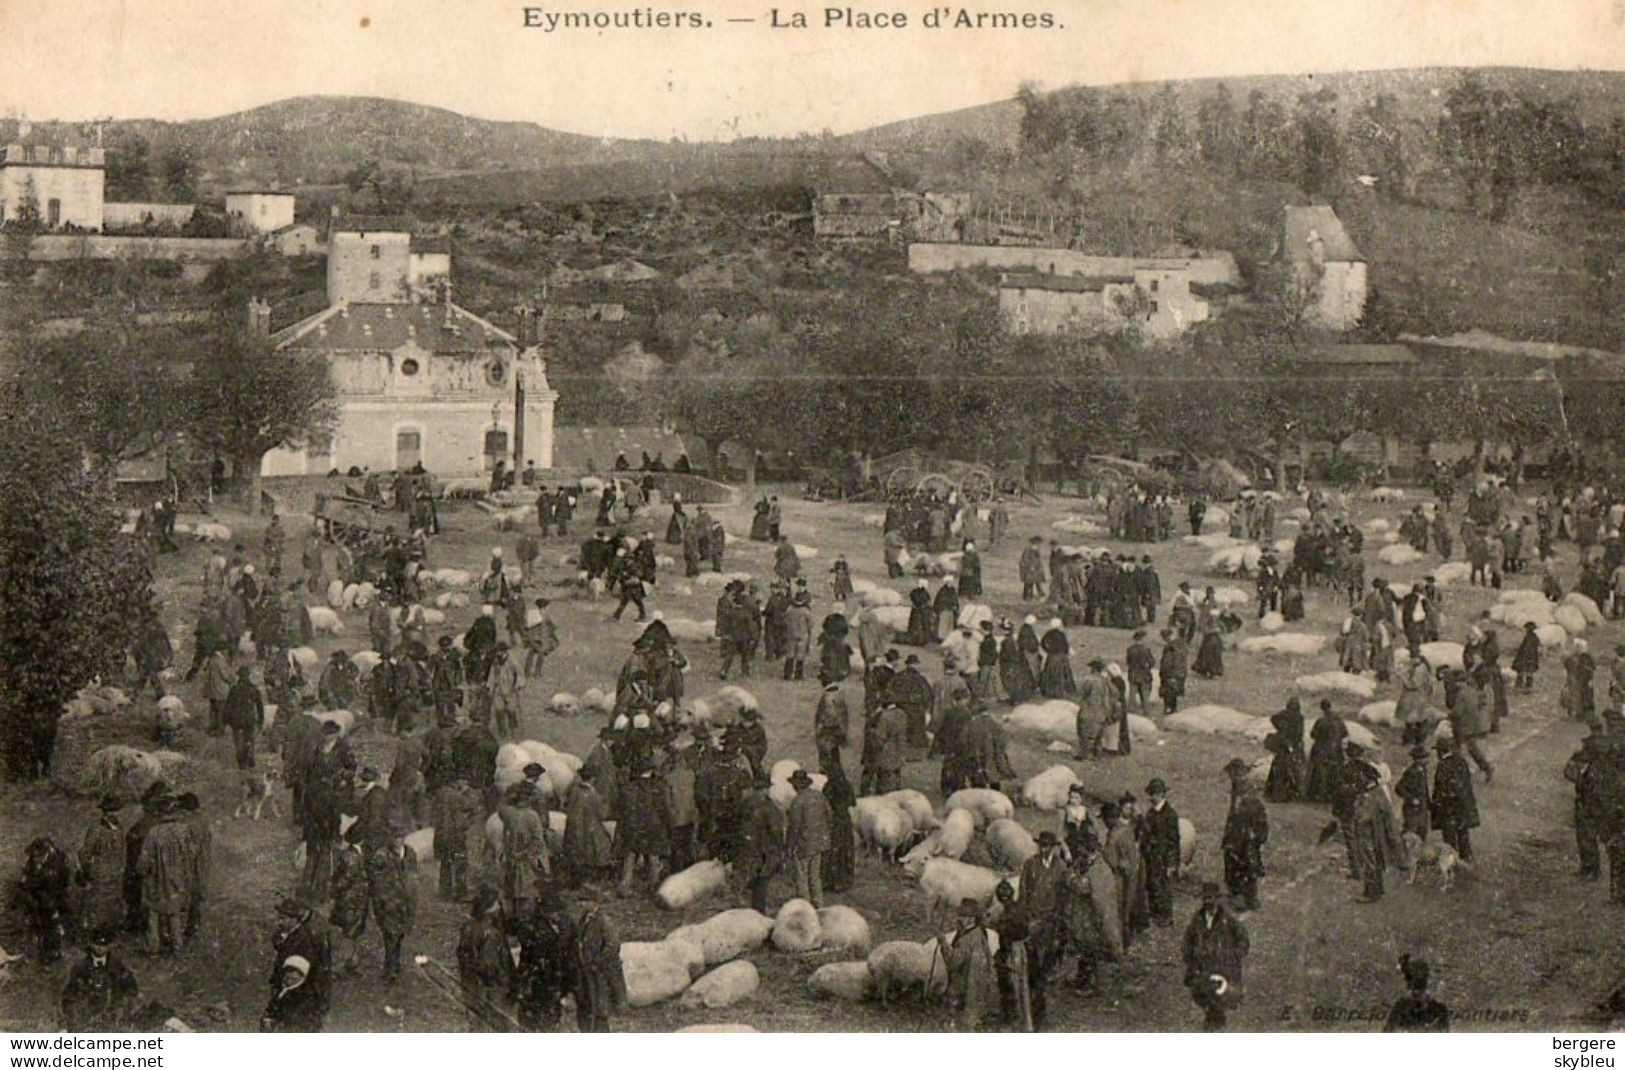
(808,837)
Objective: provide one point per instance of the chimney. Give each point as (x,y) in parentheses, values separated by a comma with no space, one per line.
(259,317)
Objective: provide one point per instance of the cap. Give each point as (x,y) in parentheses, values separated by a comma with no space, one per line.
(1419,751)
(1048,839)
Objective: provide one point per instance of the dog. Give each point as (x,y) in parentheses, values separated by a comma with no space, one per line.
(259,793)
(1432,854)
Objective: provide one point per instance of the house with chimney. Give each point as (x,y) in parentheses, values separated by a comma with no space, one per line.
(419,379)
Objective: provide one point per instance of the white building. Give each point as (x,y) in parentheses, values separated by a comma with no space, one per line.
(418,379)
(1155,299)
(1326,266)
(260,211)
(67,184)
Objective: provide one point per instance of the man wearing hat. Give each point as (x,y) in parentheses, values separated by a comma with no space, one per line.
(165,868)
(890,744)
(101,869)
(1416,1011)
(506,683)
(101,991)
(1031,568)
(1246,830)
(1161,848)
(1182,614)
(1455,808)
(1412,790)
(1042,880)
(1375,834)
(1215,945)
(831,725)
(296,1006)
(303,932)
(1173,669)
(798,630)
(761,844)
(972,994)
(1142,665)
(485,966)
(392,899)
(911,691)
(1097,708)
(808,837)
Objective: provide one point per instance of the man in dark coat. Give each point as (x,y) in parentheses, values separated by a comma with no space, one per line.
(1160,847)
(970,573)
(1173,669)
(303,932)
(1455,808)
(1141,665)
(1415,809)
(1326,754)
(1246,830)
(1416,1011)
(485,966)
(1215,946)
(1043,879)
(911,691)
(595,968)
(244,714)
(831,724)
(101,991)
(392,897)
(761,846)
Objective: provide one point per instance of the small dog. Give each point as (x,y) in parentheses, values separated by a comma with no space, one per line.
(259,792)
(1432,854)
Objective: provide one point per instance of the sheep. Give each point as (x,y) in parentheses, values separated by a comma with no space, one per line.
(688,887)
(1386,494)
(806,553)
(1214,541)
(723,986)
(421,844)
(1078,525)
(885,828)
(451,600)
(307,660)
(899,966)
(1572,619)
(734,700)
(1375,526)
(916,806)
(1272,621)
(1399,554)
(595,700)
(1452,572)
(1187,841)
(1587,607)
(948,882)
(692,631)
(1390,537)
(1517,614)
(654,971)
(563,704)
(874,520)
(783,769)
(844,929)
(878,598)
(335,595)
(665,561)
(1331,682)
(984,803)
(1552,636)
(1218,516)
(725,936)
(697,712)
(1231,596)
(324,621)
(1439,653)
(434,617)
(1379,713)
(893,617)
(849,981)
(105,699)
(1292,643)
(1140,727)
(345,719)
(1233,559)
(1048,790)
(212,532)
(720,579)
(958,829)
(972,615)
(797,927)
(1012,844)
(928,848)
(1210,720)
(171,705)
(1052,719)
(118,769)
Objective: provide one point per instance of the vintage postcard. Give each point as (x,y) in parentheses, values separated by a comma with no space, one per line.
(1027,516)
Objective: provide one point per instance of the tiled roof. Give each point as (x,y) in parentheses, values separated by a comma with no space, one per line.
(386,327)
(372,224)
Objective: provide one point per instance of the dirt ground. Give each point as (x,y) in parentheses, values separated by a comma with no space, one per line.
(1517,944)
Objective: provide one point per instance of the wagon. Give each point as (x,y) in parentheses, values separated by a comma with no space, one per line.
(916,472)
(348,519)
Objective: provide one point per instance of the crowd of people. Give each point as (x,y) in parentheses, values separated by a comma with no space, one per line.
(661,790)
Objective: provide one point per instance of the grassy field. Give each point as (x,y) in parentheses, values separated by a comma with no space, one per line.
(1517,944)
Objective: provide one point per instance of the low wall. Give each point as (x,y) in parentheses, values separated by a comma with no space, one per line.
(118,214)
(926,257)
(120,247)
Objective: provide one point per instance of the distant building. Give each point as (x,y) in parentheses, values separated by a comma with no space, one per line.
(418,379)
(1326,266)
(1157,300)
(623,270)
(428,262)
(260,211)
(299,239)
(862,198)
(67,184)
(368,260)
(1206,267)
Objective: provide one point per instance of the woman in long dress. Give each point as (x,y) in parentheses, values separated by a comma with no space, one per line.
(1210,651)
(1014,672)
(1287,774)
(1055,679)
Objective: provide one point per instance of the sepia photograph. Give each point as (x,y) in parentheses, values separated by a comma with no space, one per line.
(1070,517)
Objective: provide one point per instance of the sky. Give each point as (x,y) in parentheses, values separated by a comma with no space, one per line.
(184,59)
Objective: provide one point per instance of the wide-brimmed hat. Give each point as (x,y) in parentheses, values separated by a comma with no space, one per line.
(1156,787)
(1048,839)
(800,778)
